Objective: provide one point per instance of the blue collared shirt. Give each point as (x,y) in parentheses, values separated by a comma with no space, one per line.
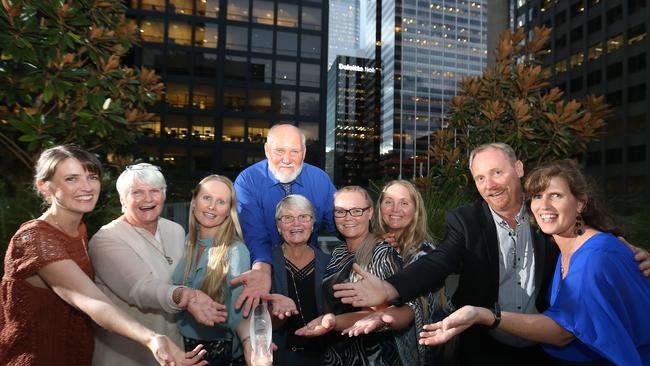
(258,192)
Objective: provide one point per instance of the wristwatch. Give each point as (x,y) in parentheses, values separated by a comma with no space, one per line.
(497,316)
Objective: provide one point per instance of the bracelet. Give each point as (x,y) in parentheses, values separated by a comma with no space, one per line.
(177,295)
(497,316)
(247,339)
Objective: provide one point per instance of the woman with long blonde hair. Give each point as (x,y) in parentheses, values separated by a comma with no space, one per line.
(214,255)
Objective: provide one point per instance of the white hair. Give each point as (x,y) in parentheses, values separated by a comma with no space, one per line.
(143,172)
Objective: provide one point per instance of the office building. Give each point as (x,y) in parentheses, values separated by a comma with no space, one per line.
(344,29)
(352,140)
(232,69)
(601,47)
(424,49)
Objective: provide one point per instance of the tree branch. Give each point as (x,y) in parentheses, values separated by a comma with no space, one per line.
(19,153)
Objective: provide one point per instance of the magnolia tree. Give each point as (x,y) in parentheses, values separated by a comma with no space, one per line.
(61,80)
(512,103)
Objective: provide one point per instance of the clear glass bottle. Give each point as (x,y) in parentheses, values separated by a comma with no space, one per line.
(261,333)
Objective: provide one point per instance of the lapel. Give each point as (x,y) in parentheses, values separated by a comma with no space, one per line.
(279,272)
(539,250)
(319,271)
(491,245)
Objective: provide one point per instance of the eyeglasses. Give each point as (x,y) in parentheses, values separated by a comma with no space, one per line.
(143,166)
(355,212)
(286,219)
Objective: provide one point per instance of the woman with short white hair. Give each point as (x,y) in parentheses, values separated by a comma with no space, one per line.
(134,257)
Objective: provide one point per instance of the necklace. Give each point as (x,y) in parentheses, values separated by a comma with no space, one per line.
(60,228)
(163,252)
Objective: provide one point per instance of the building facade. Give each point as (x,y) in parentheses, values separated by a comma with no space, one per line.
(424,49)
(352,140)
(232,69)
(601,47)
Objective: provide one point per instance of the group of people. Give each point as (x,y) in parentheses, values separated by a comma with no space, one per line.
(543,276)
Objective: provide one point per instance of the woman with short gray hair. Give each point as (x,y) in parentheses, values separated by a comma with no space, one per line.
(134,257)
(298,270)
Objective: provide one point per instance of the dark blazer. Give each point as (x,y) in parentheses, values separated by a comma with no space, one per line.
(280,286)
(471,249)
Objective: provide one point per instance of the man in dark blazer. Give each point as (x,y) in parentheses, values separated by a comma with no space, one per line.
(499,256)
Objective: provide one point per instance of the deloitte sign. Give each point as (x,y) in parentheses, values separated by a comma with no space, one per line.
(357,68)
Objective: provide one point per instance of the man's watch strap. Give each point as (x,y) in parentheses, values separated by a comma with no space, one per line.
(497,316)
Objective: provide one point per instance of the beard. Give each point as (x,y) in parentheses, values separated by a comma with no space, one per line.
(285,177)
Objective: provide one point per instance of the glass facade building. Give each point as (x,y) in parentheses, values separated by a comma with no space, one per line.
(231,69)
(601,47)
(352,140)
(424,49)
(344,29)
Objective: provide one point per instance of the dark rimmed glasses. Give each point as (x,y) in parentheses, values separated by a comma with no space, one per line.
(287,219)
(354,212)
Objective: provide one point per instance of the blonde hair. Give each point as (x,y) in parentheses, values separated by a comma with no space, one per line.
(416,232)
(364,253)
(229,232)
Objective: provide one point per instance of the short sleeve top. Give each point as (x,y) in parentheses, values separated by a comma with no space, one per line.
(36,326)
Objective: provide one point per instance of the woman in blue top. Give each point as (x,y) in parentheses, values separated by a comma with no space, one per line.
(214,255)
(598,297)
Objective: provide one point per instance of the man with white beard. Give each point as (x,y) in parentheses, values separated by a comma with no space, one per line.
(260,187)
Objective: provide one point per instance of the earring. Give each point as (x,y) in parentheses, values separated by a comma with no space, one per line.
(579,231)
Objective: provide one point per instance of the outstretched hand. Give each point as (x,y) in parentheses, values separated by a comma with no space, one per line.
(281,306)
(205,310)
(318,327)
(167,353)
(375,321)
(367,292)
(449,327)
(257,282)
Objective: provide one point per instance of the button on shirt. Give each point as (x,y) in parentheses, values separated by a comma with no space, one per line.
(258,193)
(517,291)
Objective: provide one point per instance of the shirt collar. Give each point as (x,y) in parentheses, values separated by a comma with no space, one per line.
(521,218)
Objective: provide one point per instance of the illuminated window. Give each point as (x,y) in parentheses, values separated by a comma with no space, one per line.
(287,15)
(311,18)
(151,128)
(202,128)
(174,157)
(208,8)
(176,127)
(636,34)
(233,130)
(206,35)
(595,51)
(560,66)
(263,12)
(238,10)
(258,131)
(614,43)
(177,95)
(152,30)
(234,99)
(180,33)
(156,5)
(181,6)
(310,129)
(259,100)
(577,59)
(203,97)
